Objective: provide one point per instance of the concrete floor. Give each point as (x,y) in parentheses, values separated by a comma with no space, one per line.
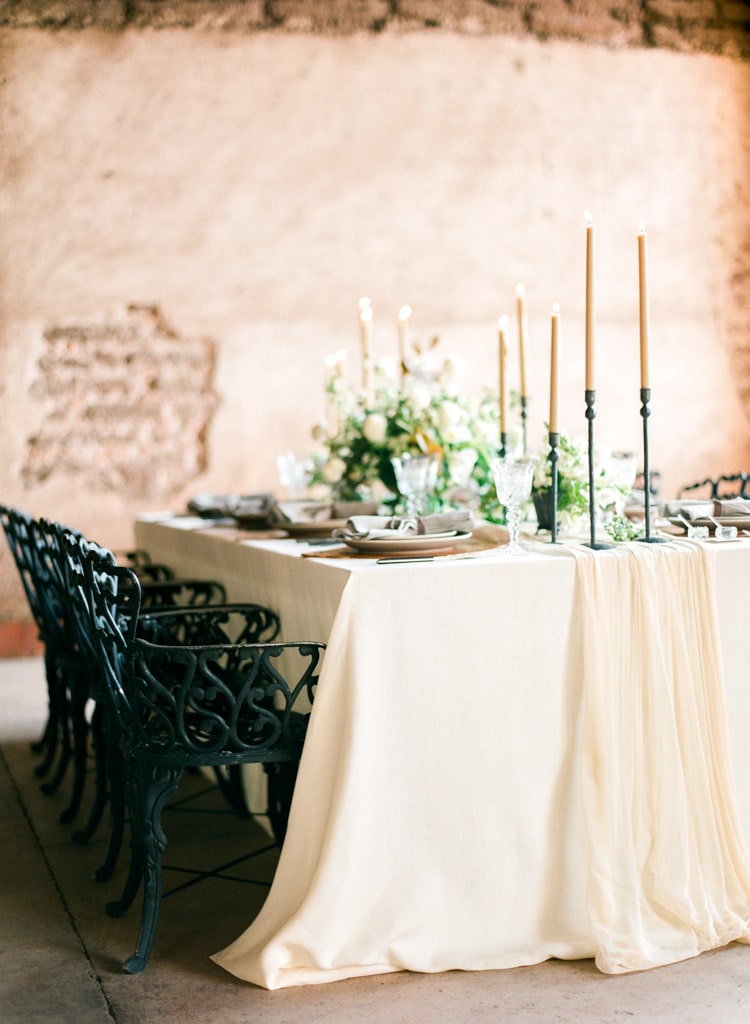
(61,957)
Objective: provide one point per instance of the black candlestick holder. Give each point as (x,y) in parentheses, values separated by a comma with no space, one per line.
(590,395)
(554,440)
(645,413)
(503,443)
(523,422)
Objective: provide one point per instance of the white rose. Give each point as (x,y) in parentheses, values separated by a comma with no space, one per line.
(459,434)
(374,428)
(460,465)
(333,470)
(449,415)
(419,396)
(487,432)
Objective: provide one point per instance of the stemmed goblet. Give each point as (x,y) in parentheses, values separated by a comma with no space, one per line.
(513,480)
(416,478)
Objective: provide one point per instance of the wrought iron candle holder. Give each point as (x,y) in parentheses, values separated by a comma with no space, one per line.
(645,413)
(523,422)
(554,440)
(590,395)
(503,444)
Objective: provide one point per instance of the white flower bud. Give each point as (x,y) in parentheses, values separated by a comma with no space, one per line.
(333,470)
(374,428)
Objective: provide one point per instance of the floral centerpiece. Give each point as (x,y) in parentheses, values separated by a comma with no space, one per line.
(414,408)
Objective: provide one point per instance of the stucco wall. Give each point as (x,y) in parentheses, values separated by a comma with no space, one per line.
(253,186)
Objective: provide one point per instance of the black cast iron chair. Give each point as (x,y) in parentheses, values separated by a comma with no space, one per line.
(36,551)
(257,624)
(180,593)
(180,706)
(19,530)
(727,486)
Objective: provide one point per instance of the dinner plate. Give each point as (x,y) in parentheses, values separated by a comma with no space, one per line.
(320,528)
(422,543)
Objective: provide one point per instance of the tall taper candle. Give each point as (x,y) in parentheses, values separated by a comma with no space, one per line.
(522,331)
(365,329)
(331,362)
(404,315)
(590,376)
(553,370)
(503,354)
(643,305)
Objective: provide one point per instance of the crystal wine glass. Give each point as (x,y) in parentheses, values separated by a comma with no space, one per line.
(624,467)
(416,478)
(513,480)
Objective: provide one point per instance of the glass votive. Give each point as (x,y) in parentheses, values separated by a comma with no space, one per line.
(725,533)
(697,532)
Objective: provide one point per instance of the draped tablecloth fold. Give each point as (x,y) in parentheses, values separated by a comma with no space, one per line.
(669,872)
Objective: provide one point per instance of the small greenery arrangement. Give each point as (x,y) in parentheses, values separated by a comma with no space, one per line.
(621,529)
(573,481)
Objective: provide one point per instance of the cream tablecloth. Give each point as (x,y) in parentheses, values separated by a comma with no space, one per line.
(475,792)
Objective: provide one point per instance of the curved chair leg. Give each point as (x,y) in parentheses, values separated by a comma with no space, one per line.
(79,692)
(153,787)
(98,740)
(281,778)
(115,770)
(47,742)
(65,745)
(230,785)
(116,908)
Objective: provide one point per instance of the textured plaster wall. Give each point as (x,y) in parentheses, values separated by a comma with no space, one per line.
(252,186)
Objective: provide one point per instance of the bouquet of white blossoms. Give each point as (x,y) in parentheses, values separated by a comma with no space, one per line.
(414,408)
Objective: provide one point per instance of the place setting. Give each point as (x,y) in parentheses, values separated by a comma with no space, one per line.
(406,535)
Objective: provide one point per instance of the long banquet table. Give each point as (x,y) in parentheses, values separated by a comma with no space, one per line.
(508,759)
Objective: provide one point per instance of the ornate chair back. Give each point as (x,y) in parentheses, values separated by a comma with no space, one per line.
(189,703)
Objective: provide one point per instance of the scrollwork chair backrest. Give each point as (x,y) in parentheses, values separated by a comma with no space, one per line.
(200,701)
(22,536)
(106,598)
(726,486)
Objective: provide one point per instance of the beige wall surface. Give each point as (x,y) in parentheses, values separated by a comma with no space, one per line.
(253,187)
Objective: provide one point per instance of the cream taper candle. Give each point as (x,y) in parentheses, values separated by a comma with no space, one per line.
(643,306)
(522,331)
(365,330)
(590,377)
(503,381)
(554,370)
(404,315)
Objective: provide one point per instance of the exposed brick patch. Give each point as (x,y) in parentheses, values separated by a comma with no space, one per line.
(711,26)
(125,406)
(595,22)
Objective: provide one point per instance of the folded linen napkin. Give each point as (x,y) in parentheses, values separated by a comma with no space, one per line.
(733,507)
(215,506)
(690,509)
(374,527)
(299,511)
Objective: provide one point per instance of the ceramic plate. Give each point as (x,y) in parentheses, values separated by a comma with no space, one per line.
(422,544)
